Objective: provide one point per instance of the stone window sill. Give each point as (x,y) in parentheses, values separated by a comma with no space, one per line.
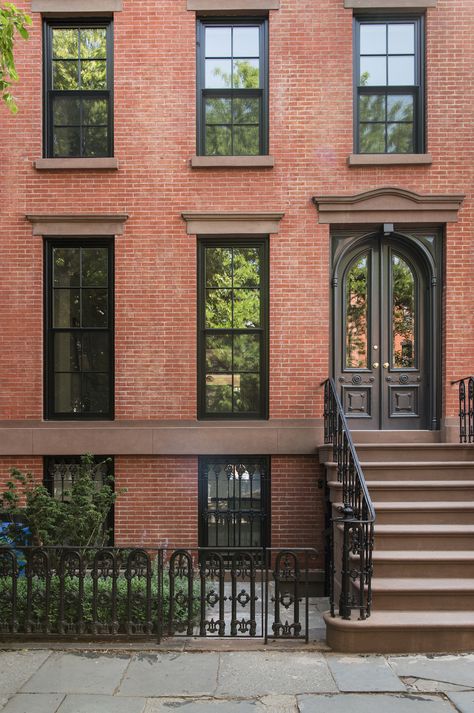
(390,159)
(232,162)
(67,164)
(69,6)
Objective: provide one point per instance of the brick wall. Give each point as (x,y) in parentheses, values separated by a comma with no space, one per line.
(297,504)
(310,137)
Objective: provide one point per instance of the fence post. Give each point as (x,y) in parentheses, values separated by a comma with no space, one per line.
(345,598)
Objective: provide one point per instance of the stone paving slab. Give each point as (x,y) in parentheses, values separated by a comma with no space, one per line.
(374,703)
(450,669)
(464,702)
(101,704)
(34,703)
(183,706)
(70,673)
(363,673)
(169,675)
(16,667)
(251,674)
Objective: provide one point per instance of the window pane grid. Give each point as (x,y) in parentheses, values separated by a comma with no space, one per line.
(232,330)
(79,333)
(78,92)
(388,68)
(232,89)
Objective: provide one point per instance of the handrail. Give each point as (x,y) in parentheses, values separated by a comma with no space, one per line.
(357,516)
(466,409)
(458,381)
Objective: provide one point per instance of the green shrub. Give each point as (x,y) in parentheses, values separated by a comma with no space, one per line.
(73,604)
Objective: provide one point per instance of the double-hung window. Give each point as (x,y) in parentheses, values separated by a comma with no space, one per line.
(79,329)
(389,85)
(232,88)
(233,318)
(78,89)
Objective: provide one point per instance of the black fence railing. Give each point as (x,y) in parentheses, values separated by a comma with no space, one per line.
(466,409)
(120,593)
(351,536)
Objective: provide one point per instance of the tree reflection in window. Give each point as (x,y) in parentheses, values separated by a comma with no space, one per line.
(403,314)
(79,91)
(357,314)
(233,323)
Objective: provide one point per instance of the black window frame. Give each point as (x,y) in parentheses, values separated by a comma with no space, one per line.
(50,331)
(48,92)
(48,481)
(417,90)
(262,92)
(265,484)
(231,242)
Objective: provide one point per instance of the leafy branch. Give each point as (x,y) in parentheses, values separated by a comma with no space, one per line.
(12,20)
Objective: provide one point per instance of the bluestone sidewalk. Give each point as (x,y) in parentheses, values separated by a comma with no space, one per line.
(293,681)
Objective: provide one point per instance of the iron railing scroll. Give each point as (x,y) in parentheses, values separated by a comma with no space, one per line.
(466,409)
(351,536)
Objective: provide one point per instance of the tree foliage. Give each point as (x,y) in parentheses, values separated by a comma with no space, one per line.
(79,520)
(12,21)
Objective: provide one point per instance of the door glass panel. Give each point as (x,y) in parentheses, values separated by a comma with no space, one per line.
(403,315)
(357,314)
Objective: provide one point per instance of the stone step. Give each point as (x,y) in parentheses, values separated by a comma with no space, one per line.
(422,594)
(378,437)
(402,452)
(423,563)
(412,491)
(424,537)
(402,632)
(415,470)
(431,512)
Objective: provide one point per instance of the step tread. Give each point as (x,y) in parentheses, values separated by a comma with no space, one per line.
(411,484)
(425,505)
(424,555)
(422,584)
(407,619)
(410,464)
(415,445)
(427,529)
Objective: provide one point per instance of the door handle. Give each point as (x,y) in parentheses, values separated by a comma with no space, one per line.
(386,365)
(375,365)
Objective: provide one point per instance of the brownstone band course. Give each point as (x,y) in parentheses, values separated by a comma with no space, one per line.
(300,437)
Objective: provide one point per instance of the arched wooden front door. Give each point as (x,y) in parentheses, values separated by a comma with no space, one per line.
(381,333)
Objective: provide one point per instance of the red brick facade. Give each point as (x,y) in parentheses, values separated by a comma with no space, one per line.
(311,125)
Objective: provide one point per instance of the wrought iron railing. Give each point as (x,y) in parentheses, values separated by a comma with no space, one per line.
(67,592)
(351,536)
(466,409)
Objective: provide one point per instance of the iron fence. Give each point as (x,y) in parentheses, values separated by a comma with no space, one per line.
(124,593)
(466,409)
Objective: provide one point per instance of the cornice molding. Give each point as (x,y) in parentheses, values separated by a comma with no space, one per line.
(87,224)
(388,204)
(200,223)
